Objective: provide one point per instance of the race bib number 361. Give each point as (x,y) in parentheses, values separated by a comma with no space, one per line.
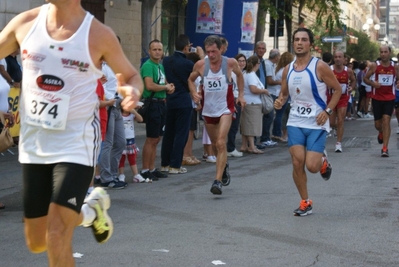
(47,109)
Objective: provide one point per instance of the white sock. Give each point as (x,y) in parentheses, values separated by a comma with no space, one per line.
(144,170)
(88,215)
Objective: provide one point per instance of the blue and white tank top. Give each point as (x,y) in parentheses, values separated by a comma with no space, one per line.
(308,97)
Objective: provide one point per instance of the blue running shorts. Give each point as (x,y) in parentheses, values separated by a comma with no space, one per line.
(311,139)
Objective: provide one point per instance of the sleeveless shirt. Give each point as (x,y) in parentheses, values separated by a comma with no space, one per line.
(217,91)
(386,76)
(308,97)
(343,79)
(59,104)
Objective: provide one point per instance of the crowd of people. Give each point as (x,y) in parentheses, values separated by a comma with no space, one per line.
(84,138)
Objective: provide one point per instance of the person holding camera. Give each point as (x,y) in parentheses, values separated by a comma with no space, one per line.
(114,142)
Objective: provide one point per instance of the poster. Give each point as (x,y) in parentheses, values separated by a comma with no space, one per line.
(210,16)
(13,102)
(248,22)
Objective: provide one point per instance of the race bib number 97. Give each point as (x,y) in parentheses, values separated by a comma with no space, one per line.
(48,110)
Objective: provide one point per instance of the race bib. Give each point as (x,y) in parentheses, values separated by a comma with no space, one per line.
(46,109)
(303,110)
(215,84)
(385,79)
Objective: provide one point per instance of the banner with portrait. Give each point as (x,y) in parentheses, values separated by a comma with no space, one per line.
(248,22)
(209,16)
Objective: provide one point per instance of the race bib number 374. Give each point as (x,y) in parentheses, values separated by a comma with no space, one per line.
(47,109)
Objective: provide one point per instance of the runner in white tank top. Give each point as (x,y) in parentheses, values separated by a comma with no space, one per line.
(218,99)
(59,106)
(305,80)
(62,49)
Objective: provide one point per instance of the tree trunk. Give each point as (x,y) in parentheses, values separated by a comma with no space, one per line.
(260,25)
(288,24)
(146,16)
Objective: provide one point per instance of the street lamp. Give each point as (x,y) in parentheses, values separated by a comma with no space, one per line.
(369,25)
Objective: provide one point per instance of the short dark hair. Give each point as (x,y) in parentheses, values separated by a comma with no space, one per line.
(153,41)
(181,41)
(213,39)
(362,66)
(194,57)
(309,32)
(327,57)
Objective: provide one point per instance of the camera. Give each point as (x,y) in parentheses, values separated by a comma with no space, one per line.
(193,50)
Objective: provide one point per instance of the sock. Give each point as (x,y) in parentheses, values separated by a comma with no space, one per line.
(384,148)
(144,170)
(97,177)
(153,170)
(88,215)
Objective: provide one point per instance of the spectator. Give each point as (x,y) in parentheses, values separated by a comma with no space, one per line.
(155,89)
(114,143)
(131,150)
(285,59)
(188,157)
(251,123)
(235,124)
(265,139)
(179,107)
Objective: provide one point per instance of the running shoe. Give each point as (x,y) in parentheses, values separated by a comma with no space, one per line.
(269,143)
(234,153)
(138,179)
(367,116)
(211,159)
(114,184)
(159,174)
(305,208)
(216,188)
(326,168)
(379,138)
(149,175)
(338,147)
(226,176)
(102,226)
(384,153)
(397,130)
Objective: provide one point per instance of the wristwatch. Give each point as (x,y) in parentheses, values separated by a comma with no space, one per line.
(329,111)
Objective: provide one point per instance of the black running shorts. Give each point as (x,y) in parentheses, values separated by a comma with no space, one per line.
(65,184)
(382,108)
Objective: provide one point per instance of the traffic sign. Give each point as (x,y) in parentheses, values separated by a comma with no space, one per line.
(332,39)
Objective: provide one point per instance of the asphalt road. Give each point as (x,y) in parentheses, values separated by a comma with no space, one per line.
(177,222)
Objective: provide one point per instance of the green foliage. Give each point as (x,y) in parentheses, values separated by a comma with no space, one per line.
(363,50)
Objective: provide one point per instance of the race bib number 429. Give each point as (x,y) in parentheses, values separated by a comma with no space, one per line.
(47,109)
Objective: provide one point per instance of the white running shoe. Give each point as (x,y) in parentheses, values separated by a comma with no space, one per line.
(138,179)
(338,147)
(234,153)
(102,225)
(211,159)
(367,116)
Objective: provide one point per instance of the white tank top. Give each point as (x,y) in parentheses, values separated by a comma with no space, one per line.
(218,91)
(308,97)
(59,104)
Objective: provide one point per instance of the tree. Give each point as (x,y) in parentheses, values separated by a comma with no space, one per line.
(327,11)
(146,15)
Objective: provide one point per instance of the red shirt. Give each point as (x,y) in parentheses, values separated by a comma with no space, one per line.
(386,76)
(102,111)
(343,79)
